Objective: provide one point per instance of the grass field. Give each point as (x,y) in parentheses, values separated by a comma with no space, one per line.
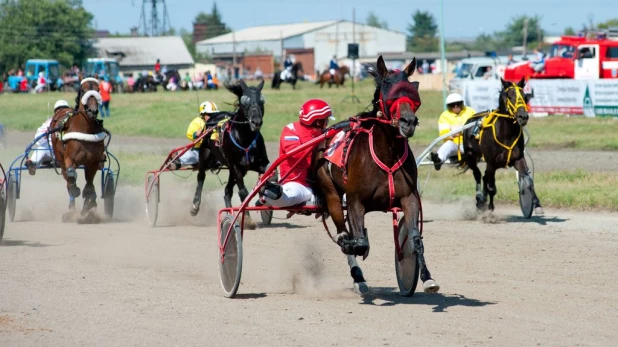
(166,114)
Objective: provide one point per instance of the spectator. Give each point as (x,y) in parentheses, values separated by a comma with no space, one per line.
(489,73)
(258,73)
(538,64)
(40,83)
(425,66)
(105,89)
(187,80)
(510,60)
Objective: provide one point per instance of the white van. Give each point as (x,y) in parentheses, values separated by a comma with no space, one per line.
(475,68)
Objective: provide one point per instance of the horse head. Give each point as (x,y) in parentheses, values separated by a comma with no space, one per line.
(88,97)
(514,101)
(397,97)
(296,68)
(250,102)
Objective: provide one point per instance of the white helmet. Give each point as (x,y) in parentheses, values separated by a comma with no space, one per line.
(453,98)
(208,107)
(60,103)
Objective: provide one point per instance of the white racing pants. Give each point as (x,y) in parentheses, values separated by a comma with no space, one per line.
(448,149)
(190,157)
(41,153)
(293,194)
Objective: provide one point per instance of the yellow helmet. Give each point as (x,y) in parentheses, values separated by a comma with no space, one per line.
(208,107)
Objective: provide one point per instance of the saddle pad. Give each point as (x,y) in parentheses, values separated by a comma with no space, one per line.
(334,151)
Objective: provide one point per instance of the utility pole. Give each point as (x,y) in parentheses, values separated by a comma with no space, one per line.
(525,31)
(157,25)
(352,95)
(539,39)
(233,49)
(442,54)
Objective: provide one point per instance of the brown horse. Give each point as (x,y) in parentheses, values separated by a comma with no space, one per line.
(78,140)
(379,173)
(338,79)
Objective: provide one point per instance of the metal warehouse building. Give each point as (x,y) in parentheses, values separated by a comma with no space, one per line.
(312,43)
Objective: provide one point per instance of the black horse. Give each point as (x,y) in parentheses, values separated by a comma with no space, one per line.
(164,78)
(144,84)
(501,142)
(292,80)
(241,146)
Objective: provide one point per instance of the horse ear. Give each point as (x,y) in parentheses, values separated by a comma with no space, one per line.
(522,83)
(80,76)
(242,83)
(382,70)
(259,86)
(415,84)
(409,70)
(505,84)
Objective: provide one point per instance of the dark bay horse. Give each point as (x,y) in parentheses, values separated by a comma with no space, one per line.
(500,143)
(380,171)
(338,79)
(78,139)
(277,81)
(241,146)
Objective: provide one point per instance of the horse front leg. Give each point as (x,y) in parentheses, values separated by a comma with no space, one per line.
(90,194)
(524,175)
(490,185)
(70,175)
(242,194)
(359,244)
(411,211)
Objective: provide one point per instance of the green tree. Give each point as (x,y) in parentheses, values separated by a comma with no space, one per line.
(569,31)
(44,29)
(608,24)
(213,21)
(422,33)
(513,35)
(374,21)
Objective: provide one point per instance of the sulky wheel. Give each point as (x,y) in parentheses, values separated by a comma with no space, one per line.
(11,199)
(406,269)
(152,201)
(526,196)
(109,190)
(230,260)
(2,212)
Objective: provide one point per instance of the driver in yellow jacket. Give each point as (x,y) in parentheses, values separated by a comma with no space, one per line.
(208,109)
(453,118)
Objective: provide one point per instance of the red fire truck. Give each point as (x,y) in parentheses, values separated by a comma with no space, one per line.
(574,57)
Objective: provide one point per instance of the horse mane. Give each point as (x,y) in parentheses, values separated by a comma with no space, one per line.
(236,89)
(377,81)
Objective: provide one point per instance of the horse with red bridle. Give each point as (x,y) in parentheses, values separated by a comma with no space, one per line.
(78,140)
(377,173)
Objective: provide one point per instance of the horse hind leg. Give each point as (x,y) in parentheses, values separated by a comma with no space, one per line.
(197,198)
(480,192)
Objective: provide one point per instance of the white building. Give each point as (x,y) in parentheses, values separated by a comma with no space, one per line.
(313,43)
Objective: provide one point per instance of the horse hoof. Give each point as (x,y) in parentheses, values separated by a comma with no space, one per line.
(249,224)
(194,211)
(75,191)
(539,210)
(361,247)
(361,288)
(68,217)
(430,286)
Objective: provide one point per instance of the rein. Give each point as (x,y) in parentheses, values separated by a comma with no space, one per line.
(493,117)
(253,143)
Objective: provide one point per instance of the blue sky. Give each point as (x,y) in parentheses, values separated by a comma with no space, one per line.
(463,18)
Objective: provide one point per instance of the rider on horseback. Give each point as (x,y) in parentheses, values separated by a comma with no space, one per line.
(334,66)
(42,150)
(295,189)
(287,68)
(207,109)
(453,118)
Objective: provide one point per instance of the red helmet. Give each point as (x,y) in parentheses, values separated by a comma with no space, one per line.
(313,110)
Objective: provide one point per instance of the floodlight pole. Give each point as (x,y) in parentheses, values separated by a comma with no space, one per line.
(352,96)
(442,54)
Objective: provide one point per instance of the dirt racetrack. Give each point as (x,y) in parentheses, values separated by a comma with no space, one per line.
(505,281)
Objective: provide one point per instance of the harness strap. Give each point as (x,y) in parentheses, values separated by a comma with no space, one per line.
(243,148)
(492,124)
(389,171)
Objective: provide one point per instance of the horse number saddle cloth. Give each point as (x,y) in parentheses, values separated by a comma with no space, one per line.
(338,149)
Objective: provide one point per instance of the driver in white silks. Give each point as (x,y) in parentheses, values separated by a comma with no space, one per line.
(287,68)
(42,151)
